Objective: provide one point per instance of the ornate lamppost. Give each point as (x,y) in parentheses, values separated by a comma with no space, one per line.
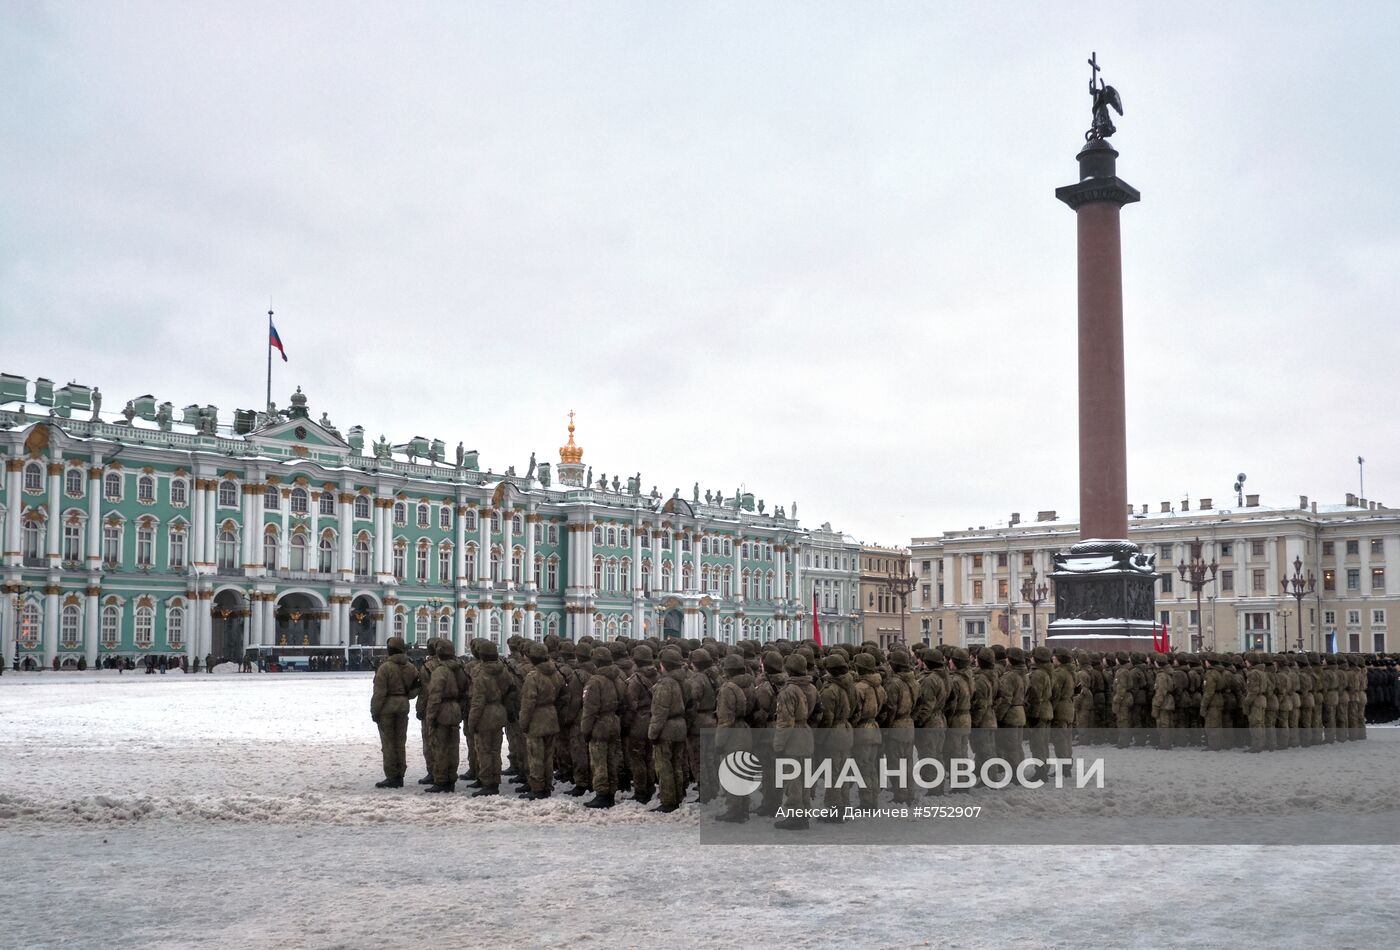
(1034,592)
(901,585)
(1299,587)
(1198,574)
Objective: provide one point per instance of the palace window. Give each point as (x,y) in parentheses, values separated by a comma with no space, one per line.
(612,537)
(424,515)
(270,550)
(362,507)
(1377,547)
(598,535)
(1353,618)
(537,572)
(1227,582)
(228,494)
(1353,579)
(445,564)
(72,542)
(1257,578)
(1256,547)
(179,493)
(445,518)
(421,561)
(977,592)
(517,525)
(272,499)
(612,574)
(517,561)
(470,569)
(327,503)
(552,574)
(362,556)
(226,551)
(646,540)
(68,636)
(470,519)
(111,627)
(495,522)
(298,553)
(325,556)
(445,625)
(1166,581)
(400,557)
(399,622)
(1353,547)
(112,486)
(597,573)
(1378,617)
(146,489)
(34,478)
(298,501)
(145,546)
(1227,549)
(1003,587)
(1329,616)
(495,564)
(977,562)
(1329,548)
(1377,579)
(111,544)
(552,535)
(420,629)
(400,513)
(73,482)
(1329,579)
(624,537)
(177,547)
(175,627)
(144,627)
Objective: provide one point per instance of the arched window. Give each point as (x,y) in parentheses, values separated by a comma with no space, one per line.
(362,509)
(612,574)
(111,626)
(175,627)
(400,566)
(598,573)
(517,561)
(33,547)
(517,525)
(298,500)
(272,499)
(178,493)
(362,556)
(625,573)
(495,522)
(73,482)
(469,519)
(494,626)
(612,628)
(325,555)
(727,582)
(327,503)
(705,577)
(145,546)
(112,486)
(34,477)
(495,563)
(552,573)
(424,515)
(612,537)
(68,635)
(470,627)
(445,564)
(538,632)
(298,553)
(111,544)
(399,622)
(445,625)
(553,628)
(146,489)
(537,575)
(626,625)
(144,627)
(646,577)
(72,542)
(420,565)
(471,562)
(625,537)
(599,625)
(270,549)
(228,494)
(445,518)
(598,535)
(420,629)
(666,575)
(31,625)
(687,581)
(515,624)
(400,513)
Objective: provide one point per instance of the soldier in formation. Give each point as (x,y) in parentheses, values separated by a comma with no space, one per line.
(654,718)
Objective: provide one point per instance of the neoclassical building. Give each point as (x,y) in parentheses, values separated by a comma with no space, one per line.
(159,530)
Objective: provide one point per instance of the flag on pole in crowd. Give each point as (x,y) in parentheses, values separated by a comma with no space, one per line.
(816,621)
(1162,644)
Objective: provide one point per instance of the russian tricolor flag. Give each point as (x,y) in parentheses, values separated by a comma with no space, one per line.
(274,340)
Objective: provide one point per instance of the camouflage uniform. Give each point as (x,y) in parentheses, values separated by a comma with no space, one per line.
(837,704)
(1062,688)
(444,711)
(492,687)
(667,730)
(732,704)
(601,726)
(426,727)
(701,750)
(640,686)
(540,698)
(1011,709)
(792,733)
(865,736)
(1040,708)
(395,683)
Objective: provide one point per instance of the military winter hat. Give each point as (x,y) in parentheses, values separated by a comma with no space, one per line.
(396,645)
(486,650)
(772,662)
(795,665)
(1016,655)
(1041,654)
(899,660)
(701,658)
(601,655)
(566,648)
(446,650)
(537,652)
(836,663)
(432,645)
(671,658)
(961,658)
(865,663)
(934,657)
(641,654)
(734,663)
(1062,653)
(999,651)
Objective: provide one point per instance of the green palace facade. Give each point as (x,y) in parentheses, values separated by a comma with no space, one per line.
(168,531)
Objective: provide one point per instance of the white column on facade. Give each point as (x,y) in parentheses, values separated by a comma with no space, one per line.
(8,617)
(586,542)
(527,569)
(284,538)
(211,514)
(55,522)
(529,633)
(333,621)
(252,625)
(376,544)
(739,568)
(507,513)
(91,618)
(14,507)
(246,512)
(313,513)
(269,606)
(50,624)
(695,537)
(460,626)
(94,513)
(635,581)
(345,525)
(483,549)
(459,556)
(195,553)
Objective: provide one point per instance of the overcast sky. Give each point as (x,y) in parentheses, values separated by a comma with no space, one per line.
(811,249)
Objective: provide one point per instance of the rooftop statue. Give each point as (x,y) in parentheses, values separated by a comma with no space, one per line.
(1104,96)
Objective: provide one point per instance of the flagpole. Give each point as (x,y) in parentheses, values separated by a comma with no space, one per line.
(267,405)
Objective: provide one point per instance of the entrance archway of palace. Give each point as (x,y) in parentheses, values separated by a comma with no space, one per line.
(299,617)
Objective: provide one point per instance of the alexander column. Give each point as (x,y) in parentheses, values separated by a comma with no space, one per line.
(1104,593)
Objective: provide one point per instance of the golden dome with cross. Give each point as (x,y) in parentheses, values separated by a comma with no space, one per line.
(570,454)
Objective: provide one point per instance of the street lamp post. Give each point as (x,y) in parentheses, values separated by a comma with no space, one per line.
(1034,594)
(1299,587)
(1198,574)
(901,585)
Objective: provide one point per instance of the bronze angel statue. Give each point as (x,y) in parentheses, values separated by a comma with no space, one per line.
(1104,96)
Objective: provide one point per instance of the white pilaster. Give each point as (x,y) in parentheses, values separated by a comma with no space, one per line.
(94,511)
(50,623)
(91,617)
(55,522)
(14,513)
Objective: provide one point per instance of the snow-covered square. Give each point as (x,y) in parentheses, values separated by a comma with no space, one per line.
(239,810)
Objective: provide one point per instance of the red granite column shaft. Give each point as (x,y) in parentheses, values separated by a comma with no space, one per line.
(1103,444)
